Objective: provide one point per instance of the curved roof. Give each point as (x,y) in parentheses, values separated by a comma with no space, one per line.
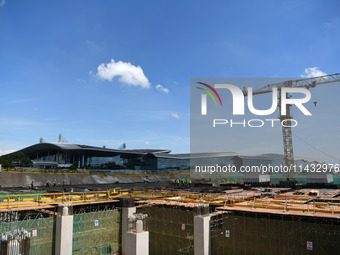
(275,156)
(191,155)
(87,150)
(140,153)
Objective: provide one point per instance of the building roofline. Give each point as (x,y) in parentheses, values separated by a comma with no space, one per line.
(88,149)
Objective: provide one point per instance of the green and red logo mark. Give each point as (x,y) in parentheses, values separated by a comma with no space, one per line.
(204,97)
(209,93)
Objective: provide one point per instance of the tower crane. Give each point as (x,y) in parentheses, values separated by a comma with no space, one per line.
(286,129)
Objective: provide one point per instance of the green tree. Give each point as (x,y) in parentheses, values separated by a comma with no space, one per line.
(15,159)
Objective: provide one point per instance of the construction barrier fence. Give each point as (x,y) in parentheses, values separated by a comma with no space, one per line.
(38,236)
(171,229)
(97,232)
(260,233)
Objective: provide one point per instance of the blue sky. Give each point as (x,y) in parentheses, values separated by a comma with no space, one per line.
(50,52)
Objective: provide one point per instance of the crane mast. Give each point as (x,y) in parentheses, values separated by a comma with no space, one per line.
(286,129)
(287,138)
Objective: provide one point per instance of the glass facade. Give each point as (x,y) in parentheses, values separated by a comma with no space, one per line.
(52,155)
(98,161)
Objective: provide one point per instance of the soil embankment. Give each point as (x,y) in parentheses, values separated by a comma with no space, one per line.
(12,179)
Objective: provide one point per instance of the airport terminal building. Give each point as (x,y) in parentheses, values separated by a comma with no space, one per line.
(53,155)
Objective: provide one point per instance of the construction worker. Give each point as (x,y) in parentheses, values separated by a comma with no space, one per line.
(64,182)
(32,184)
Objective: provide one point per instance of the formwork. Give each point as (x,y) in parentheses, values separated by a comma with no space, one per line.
(96,230)
(171,229)
(237,232)
(38,233)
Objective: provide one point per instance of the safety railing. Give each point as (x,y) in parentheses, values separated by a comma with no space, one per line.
(251,201)
(10,201)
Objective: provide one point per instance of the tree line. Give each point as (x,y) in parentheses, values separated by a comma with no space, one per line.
(17,159)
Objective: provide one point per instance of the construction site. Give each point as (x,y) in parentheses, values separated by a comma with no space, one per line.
(197,219)
(173,211)
(169,127)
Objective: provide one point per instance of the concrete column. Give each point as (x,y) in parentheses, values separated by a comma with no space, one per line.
(135,237)
(138,243)
(128,210)
(64,230)
(202,234)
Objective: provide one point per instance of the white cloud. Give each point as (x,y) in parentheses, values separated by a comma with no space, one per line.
(147,142)
(2,2)
(313,72)
(174,115)
(127,73)
(159,87)
(4,152)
